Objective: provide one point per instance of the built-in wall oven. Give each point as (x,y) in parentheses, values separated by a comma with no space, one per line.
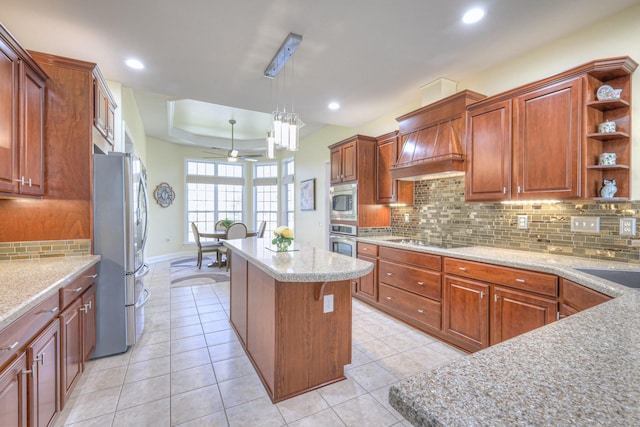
(344,202)
(342,239)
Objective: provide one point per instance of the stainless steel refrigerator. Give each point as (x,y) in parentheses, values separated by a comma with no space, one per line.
(120,232)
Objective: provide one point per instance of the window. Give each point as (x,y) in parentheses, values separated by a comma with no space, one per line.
(265,184)
(288,190)
(215,191)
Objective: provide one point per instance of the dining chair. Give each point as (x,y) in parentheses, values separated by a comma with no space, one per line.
(261,228)
(205,247)
(237,230)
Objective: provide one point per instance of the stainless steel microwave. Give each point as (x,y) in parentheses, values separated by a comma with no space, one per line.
(344,202)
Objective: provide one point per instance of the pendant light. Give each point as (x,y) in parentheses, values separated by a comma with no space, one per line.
(285,128)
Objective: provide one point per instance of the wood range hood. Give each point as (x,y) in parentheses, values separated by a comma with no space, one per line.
(432,138)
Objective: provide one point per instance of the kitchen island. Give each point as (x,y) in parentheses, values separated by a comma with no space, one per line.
(292,313)
(581,370)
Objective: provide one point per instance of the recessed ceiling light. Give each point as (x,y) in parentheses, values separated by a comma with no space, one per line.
(134,63)
(334,105)
(472,16)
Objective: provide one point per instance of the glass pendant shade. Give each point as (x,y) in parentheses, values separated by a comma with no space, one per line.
(271,145)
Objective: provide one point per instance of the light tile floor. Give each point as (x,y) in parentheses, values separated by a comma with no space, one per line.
(189,369)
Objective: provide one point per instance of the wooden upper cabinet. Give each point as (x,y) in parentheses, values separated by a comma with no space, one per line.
(389,190)
(104,108)
(31,149)
(551,129)
(488,160)
(547,141)
(344,162)
(9,64)
(22,97)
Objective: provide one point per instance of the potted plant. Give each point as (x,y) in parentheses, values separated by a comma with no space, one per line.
(226,223)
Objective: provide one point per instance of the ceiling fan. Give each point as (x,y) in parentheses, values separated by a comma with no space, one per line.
(233,155)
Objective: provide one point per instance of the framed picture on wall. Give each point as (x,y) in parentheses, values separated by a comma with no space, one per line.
(308,195)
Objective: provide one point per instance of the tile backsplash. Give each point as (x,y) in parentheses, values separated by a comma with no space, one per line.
(440,214)
(44,249)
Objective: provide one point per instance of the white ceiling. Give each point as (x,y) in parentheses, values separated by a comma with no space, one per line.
(370,55)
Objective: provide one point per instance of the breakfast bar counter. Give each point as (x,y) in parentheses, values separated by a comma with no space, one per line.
(292,313)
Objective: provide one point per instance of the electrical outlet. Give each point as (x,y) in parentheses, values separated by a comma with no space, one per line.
(523,222)
(627,226)
(585,224)
(328,304)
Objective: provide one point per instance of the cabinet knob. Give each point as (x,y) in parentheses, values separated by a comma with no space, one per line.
(520,280)
(10,347)
(496,298)
(76,290)
(481,294)
(389,274)
(462,269)
(504,190)
(389,298)
(365,249)
(421,283)
(421,311)
(519,190)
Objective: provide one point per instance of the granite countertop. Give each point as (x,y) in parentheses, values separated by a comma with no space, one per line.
(581,370)
(304,263)
(26,283)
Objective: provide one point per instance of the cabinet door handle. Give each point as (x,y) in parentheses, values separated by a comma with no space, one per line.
(496,298)
(10,347)
(84,308)
(421,311)
(364,249)
(389,274)
(28,371)
(519,190)
(40,359)
(504,190)
(462,269)
(421,283)
(93,276)
(53,310)
(481,294)
(76,290)
(21,180)
(389,298)
(520,280)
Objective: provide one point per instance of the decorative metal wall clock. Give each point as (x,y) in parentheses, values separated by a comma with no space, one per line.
(164,194)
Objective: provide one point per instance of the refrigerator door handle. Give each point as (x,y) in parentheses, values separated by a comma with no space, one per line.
(147,294)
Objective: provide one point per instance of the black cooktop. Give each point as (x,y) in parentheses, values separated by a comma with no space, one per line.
(425,243)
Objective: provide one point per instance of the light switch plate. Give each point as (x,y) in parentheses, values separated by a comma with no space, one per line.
(627,226)
(585,224)
(523,222)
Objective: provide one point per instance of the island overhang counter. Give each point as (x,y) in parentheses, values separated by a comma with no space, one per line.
(292,312)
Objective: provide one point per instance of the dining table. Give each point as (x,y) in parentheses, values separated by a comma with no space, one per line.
(222,235)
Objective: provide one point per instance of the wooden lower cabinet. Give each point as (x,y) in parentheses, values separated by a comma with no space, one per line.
(44,358)
(575,298)
(13,393)
(426,312)
(292,342)
(479,314)
(367,285)
(466,312)
(516,312)
(238,291)
(71,348)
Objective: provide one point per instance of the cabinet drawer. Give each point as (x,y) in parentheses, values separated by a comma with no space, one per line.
(432,262)
(367,249)
(74,289)
(542,283)
(423,310)
(423,282)
(580,297)
(17,335)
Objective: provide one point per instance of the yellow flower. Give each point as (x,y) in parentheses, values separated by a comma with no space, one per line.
(287,233)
